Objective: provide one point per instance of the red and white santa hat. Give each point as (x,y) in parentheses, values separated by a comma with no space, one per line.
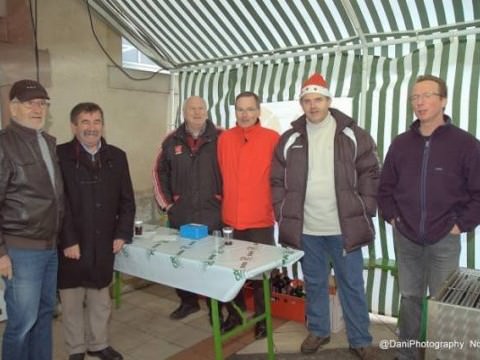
(315,84)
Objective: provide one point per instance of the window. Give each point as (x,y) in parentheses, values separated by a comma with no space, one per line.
(132,58)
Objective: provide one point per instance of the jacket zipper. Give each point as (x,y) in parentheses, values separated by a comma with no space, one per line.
(423,190)
(355,191)
(280,216)
(364,208)
(286,184)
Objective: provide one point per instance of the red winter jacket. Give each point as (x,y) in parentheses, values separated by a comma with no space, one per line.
(244,157)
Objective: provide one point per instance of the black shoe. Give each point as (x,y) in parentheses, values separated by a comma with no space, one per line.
(183,311)
(78,356)
(106,354)
(232,322)
(260,330)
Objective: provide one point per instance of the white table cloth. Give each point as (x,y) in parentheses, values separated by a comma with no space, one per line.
(206,266)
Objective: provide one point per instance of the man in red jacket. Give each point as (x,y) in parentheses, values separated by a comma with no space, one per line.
(244,156)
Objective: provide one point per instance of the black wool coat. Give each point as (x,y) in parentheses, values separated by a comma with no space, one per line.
(100,207)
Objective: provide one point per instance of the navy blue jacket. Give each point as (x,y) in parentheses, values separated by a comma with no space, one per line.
(430,184)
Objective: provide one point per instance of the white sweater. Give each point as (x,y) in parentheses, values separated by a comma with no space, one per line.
(320,214)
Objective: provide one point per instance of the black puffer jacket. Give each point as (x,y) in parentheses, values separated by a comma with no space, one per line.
(189,180)
(357,174)
(31,209)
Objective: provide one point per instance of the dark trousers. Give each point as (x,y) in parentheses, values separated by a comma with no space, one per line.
(187,297)
(421,268)
(261,236)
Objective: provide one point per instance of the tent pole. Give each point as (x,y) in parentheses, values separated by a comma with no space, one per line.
(364,82)
(171,100)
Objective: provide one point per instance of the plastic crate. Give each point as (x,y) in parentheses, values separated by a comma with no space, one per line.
(290,307)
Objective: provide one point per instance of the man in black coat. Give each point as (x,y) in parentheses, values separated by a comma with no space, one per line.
(187,181)
(100,210)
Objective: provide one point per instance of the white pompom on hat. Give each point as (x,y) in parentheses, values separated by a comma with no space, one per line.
(315,84)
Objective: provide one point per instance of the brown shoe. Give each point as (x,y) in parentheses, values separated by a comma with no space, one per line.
(313,342)
(364,353)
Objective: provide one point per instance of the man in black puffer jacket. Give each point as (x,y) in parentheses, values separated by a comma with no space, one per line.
(324,178)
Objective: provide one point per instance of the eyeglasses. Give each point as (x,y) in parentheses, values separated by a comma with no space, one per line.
(249,110)
(29,104)
(424,96)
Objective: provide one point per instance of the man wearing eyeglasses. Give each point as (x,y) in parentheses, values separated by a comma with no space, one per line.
(430,193)
(31,211)
(245,155)
(100,210)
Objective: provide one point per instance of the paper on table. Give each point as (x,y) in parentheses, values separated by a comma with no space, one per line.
(165,237)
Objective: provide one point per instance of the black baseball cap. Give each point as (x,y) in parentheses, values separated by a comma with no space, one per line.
(25,90)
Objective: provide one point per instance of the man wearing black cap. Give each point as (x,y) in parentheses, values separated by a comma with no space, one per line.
(31,211)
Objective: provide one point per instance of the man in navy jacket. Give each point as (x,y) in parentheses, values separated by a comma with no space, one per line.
(430,193)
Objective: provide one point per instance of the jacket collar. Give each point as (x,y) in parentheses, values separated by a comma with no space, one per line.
(415,126)
(77,148)
(27,133)
(209,134)
(342,120)
(249,131)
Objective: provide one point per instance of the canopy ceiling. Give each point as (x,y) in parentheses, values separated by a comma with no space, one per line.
(181,34)
(368,50)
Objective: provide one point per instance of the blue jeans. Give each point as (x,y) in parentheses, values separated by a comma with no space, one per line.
(30,297)
(319,251)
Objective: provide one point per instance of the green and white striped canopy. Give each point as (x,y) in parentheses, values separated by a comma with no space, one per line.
(178,34)
(368,50)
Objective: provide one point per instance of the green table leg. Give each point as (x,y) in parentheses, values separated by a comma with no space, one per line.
(116,289)
(268,316)
(424,318)
(219,338)
(217,335)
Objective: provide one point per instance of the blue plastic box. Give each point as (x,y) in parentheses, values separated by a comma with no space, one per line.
(193,231)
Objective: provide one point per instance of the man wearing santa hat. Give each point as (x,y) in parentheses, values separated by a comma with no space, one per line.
(324,179)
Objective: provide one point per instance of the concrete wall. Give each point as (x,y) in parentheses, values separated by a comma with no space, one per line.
(136,112)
